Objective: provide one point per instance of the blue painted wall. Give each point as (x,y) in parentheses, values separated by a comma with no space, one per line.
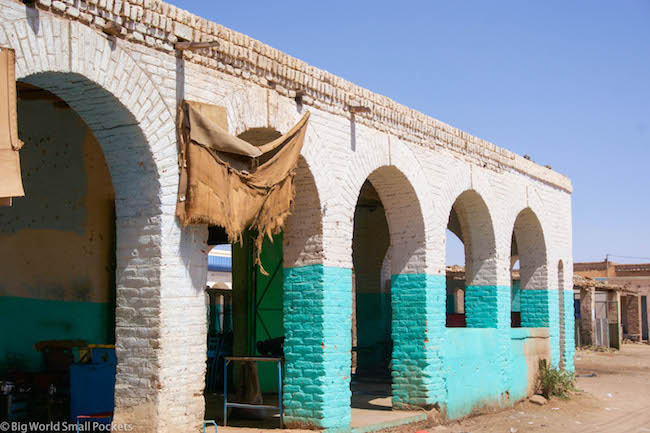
(569,331)
(541,309)
(534,308)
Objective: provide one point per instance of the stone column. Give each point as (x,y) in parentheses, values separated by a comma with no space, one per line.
(587,316)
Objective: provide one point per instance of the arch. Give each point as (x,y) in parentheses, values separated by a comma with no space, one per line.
(529,246)
(136,131)
(470,218)
(477,233)
(58,241)
(526,199)
(416,298)
(405,220)
(472,186)
(403,189)
(94,78)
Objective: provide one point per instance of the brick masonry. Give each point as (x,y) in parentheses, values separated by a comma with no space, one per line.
(126,88)
(317,311)
(418,332)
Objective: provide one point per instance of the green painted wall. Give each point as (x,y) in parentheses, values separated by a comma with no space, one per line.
(373,332)
(27,321)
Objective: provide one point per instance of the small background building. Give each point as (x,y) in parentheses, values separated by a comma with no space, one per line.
(609,282)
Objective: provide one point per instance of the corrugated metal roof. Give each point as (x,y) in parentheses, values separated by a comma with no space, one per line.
(219,263)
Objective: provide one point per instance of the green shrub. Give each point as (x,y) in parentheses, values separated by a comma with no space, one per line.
(552,381)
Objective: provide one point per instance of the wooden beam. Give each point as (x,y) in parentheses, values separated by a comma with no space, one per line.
(358,109)
(195,45)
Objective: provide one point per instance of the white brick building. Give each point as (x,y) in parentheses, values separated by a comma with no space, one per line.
(126,89)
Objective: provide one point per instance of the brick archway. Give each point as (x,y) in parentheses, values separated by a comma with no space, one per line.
(125,111)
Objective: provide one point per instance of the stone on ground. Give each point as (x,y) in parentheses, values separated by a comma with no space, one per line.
(538,399)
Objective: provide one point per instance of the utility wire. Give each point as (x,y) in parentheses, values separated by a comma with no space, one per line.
(628,257)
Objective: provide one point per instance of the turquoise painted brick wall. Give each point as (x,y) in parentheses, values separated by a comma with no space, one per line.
(317,324)
(569,331)
(540,309)
(418,337)
(457,368)
(534,308)
(474,369)
(487,306)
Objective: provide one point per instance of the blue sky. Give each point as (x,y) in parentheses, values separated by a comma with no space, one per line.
(567,83)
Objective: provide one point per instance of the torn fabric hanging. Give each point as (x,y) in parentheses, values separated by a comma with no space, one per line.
(228,182)
(11,184)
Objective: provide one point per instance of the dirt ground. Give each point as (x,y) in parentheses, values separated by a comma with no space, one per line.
(616,400)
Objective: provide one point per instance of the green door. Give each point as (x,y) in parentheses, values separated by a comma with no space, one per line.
(268,307)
